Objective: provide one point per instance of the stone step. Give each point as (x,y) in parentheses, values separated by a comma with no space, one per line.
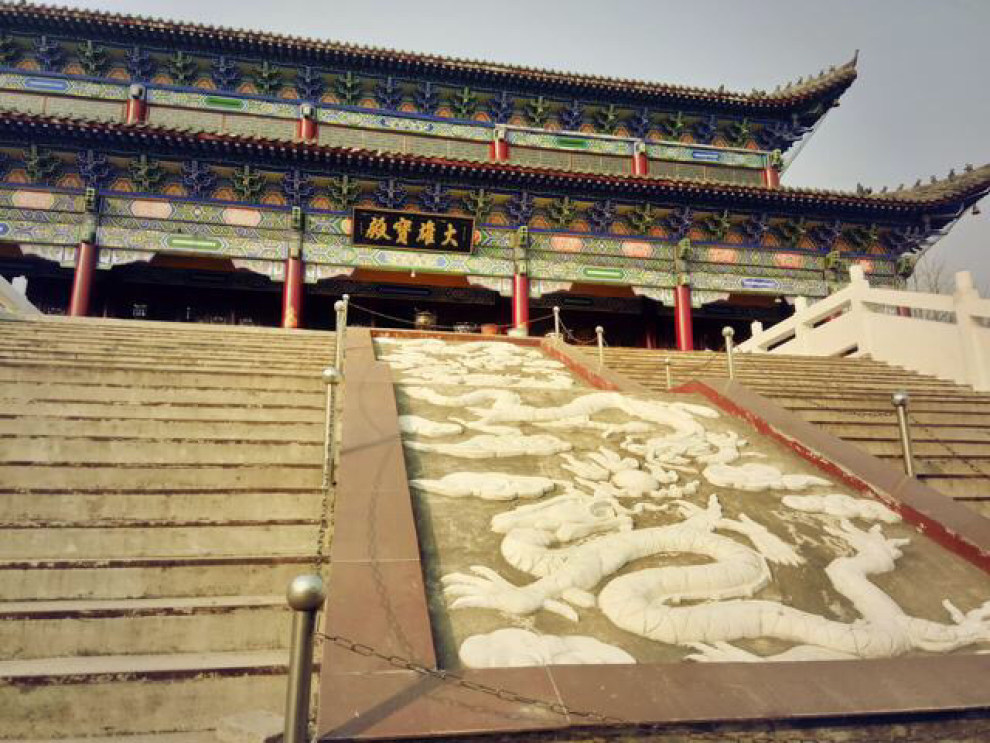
(150,577)
(257,475)
(745,365)
(880,403)
(84,409)
(770,383)
(966,488)
(204,736)
(160,366)
(75,507)
(109,372)
(969,467)
(87,341)
(24,392)
(54,450)
(161,431)
(880,431)
(860,390)
(204,357)
(189,362)
(45,629)
(922,418)
(62,542)
(119,695)
(922,449)
(106,338)
(113,326)
(718,367)
(742,360)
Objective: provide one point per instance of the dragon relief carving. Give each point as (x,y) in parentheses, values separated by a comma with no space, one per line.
(656,487)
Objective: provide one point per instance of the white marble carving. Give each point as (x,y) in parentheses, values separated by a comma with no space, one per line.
(603,523)
(419,426)
(753,476)
(513,647)
(488,446)
(842,506)
(486,485)
(475,364)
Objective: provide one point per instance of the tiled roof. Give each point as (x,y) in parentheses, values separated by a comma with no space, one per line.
(826,87)
(955,191)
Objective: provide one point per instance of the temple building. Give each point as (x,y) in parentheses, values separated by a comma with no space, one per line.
(173,171)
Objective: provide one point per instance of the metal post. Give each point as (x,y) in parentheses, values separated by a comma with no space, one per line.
(305,596)
(900,400)
(332,378)
(670,379)
(600,332)
(340,307)
(556,322)
(728,333)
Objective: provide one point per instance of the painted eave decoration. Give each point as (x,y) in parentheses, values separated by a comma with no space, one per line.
(943,198)
(824,89)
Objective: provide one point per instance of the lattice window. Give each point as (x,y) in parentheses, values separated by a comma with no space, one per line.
(259,126)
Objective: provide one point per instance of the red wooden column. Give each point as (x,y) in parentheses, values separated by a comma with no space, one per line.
(136,111)
(82,281)
(520,281)
(640,163)
(292,291)
(682,317)
(306,127)
(292,287)
(520,301)
(498,150)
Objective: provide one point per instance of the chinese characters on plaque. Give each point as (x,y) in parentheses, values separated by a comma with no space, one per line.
(382,228)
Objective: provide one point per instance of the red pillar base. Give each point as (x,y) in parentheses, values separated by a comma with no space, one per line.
(520,301)
(682,318)
(292,293)
(82,282)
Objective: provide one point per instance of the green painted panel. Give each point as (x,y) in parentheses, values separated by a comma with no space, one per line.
(190,242)
(227,104)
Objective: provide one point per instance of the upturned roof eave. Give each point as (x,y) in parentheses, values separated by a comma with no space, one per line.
(824,89)
(506,173)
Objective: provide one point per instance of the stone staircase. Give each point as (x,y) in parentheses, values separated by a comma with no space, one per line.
(159,488)
(850,398)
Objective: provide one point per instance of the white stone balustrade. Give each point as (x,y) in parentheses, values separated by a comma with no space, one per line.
(947,336)
(13,302)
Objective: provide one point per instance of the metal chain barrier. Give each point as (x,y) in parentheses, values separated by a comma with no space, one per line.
(891,415)
(955,454)
(412,323)
(448,677)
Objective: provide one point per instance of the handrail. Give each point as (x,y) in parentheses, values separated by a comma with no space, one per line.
(855,320)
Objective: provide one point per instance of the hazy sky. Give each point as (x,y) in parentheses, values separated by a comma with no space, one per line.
(921,104)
